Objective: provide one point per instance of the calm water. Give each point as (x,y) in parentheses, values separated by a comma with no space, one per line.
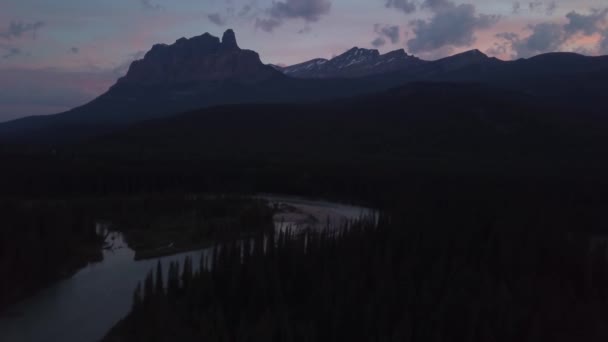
(85,306)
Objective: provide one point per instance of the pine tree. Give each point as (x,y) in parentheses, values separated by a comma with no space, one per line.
(187,273)
(149,287)
(173,279)
(159,289)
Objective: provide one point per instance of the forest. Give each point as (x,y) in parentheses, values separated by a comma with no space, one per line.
(493,226)
(459,274)
(44,240)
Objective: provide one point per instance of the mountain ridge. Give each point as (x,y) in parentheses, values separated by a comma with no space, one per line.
(204,71)
(202,58)
(355,62)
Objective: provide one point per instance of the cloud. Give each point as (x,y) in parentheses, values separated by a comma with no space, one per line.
(217,19)
(307,10)
(378,42)
(450,26)
(586,24)
(392,32)
(548,7)
(406,6)
(436,5)
(603,48)
(545,37)
(267,25)
(150,6)
(551,36)
(16,29)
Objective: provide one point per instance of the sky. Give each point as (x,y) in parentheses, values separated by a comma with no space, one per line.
(55,55)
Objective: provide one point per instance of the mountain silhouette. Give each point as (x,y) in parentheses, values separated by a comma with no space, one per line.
(355,62)
(206,71)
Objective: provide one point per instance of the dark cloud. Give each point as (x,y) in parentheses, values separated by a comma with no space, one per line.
(545,37)
(17,29)
(308,10)
(378,42)
(499,49)
(586,24)
(603,48)
(150,6)
(388,31)
(450,26)
(436,5)
(75,50)
(267,25)
(217,19)
(406,6)
(551,36)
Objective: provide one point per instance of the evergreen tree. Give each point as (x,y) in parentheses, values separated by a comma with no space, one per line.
(159,289)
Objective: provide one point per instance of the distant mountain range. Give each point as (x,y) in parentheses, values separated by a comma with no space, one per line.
(355,62)
(205,71)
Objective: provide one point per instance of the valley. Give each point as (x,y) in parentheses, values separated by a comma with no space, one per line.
(144,215)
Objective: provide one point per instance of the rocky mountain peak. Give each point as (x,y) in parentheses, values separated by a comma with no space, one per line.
(198,59)
(400,53)
(229,40)
(359,52)
(473,55)
(355,62)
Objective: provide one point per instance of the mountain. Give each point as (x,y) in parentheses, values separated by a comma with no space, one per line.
(355,62)
(465,59)
(189,74)
(205,71)
(200,59)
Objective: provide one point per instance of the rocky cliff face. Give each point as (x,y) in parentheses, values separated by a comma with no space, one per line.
(199,59)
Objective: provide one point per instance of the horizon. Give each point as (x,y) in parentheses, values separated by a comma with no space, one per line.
(74,52)
(303,170)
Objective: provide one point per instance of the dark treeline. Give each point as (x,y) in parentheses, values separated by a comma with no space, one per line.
(46,239)
(420,138)
(464,275)
(491,201)
(42,241)
(186,222)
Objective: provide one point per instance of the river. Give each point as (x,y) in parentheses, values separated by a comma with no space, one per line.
(87,305)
